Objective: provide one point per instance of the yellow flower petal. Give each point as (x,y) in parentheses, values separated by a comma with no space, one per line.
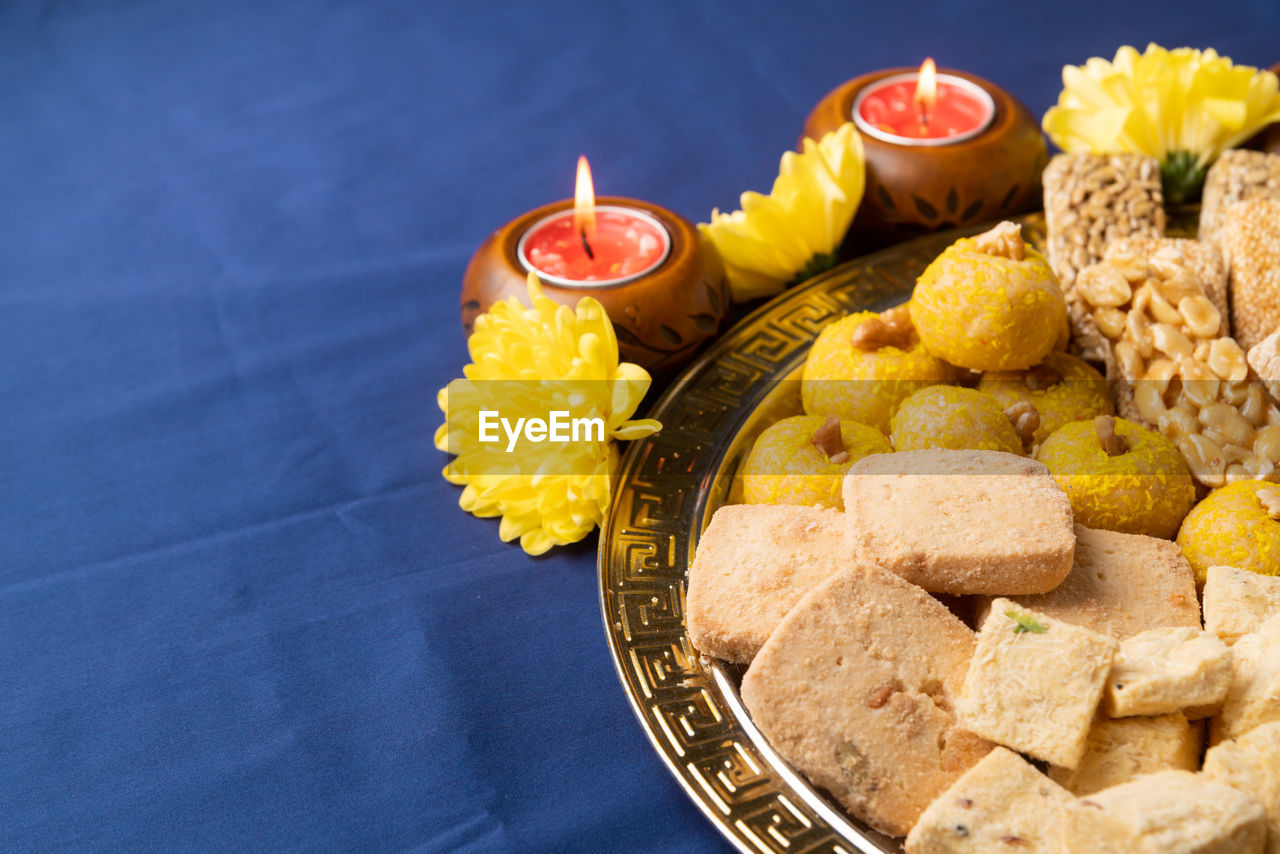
(773,238)
(536,543)
(1232,113)
(509,528)
(637,429)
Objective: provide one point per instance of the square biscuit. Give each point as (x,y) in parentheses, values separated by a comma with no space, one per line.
(1250,243)
(1167,670)
(1169,812)
(1254,696)
(1034,683)
(1124,749)
(1251,764)
(1237,601)
(1002,803)
(855,688)
(960,522)
(753,563)
(1121,584)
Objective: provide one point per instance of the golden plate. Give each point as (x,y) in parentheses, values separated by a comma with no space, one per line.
(669,485)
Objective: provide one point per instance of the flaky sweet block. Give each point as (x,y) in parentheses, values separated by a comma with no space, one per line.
(1254,696)
(1264,358)
(1237,602)
(1167,670)
(1120,585)
(1250,242)
(1002,803)
(753,563)
(1091,200)
(1237,175)
(1251,765)
(1034,683)
(960,522)
(1174,370)
(855,688)
(1169,812)
(1119,751)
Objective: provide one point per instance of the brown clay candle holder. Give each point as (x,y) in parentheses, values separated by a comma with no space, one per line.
(914,189)
(1271,135)
(1271,139)
(660,317)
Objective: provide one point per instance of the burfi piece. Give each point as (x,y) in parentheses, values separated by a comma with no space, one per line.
(1123,749)
(1264,358)
(1165,670)
(1121,584)
(1034,683)
(754,562)
(1237,175)
(855,688)
(960,522)
(1237,601)
(1250,242)
(1254,696)
(1202,260)
(1251,764)
(1169,812)
(1001,804)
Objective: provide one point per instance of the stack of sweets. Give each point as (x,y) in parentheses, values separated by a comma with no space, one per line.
(1091,200)
(1250,244)
(1158,326)
(1240,216)
(1237,176)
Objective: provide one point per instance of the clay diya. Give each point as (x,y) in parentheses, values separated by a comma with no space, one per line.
(1271,136)
(944,149)
(646,265)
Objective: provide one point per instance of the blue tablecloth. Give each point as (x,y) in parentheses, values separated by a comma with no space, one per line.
(239,607)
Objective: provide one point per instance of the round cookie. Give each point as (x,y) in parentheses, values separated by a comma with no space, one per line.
(1233,526)
(1120,476)
(954,418)
(989,303)
(803,460)
(1062,388)
(862,366)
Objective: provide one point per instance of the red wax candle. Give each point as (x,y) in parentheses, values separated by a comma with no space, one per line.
(625,243)
(912,109)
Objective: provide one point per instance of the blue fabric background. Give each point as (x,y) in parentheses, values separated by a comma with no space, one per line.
(239,608)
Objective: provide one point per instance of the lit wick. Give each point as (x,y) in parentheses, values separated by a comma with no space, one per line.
(926,96)
(584,207)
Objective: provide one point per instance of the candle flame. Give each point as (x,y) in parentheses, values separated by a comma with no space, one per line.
(584,201)
(926,97)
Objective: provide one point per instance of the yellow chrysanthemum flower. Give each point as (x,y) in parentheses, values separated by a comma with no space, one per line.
(792,233)
(530,363)
(1183,107)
